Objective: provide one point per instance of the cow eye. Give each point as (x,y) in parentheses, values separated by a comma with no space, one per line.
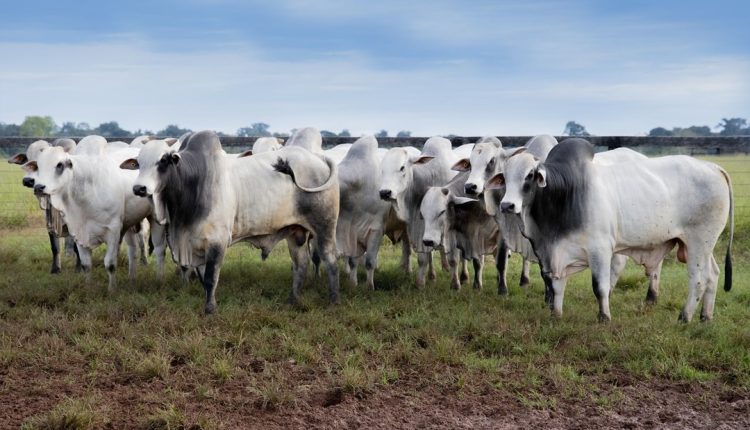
(60,166)
(402,168)
(441,212)
(530,176)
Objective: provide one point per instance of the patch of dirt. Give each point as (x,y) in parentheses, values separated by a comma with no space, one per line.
(408,403)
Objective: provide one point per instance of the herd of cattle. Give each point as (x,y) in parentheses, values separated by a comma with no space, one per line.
(558,205)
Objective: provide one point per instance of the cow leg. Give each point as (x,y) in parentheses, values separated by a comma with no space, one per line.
(79,267)
(558,293)
(601,266)
(326,245)
(616,268)
(443,261)
(453,262)
(478,269)
(525,269)
(371,257)
(54,244)
(110,258)
(697,262)
(431,274)
(85,254)
(464,271)
(140,239)
(549,291)
(159,240)
(654,274)
(315,257)
(422,263)
(132,239)
(299,257)
(405,256)
(711,279)
(501,262)
(351,264)
(214,258)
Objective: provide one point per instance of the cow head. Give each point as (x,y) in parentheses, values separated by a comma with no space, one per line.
(31,154)
(54,169)
(481,163)
(522,175)
(396,172)
(152,160)
(436,209)
(265,144)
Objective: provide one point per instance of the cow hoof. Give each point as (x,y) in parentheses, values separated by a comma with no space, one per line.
(502,291)
(524,282)
(209,309)
(54,270)
(705,318)
(604,318)
(432,276)
(464,277)
(420,284)
(477,286)
(650,301)
(683,317)
(455,286)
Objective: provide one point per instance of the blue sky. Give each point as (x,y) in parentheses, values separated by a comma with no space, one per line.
(432,67)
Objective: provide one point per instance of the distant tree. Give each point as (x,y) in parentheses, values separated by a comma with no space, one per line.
(345,133)
(173,130)
(572,128)
(111,129)
(70,128)
(403,133)
(282,134)
(259,129)
(326,133)
(37,126)
(660,132)
(732,126)
(382,133)
(9,129)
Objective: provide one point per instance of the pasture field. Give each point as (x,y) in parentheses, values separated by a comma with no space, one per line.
(74,356)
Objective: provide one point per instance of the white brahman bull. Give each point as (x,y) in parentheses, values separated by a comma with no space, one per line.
(211,201)
(96,199)
(579,214)
(364,218)
(405,179)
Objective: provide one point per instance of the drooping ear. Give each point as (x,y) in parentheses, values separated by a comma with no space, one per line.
(30,167)
(170,141)
(130,164)
(18,159)
(495,182)
(422,159)
(247,153)
(175,158)
(456,200)
(463,165)
(541,176)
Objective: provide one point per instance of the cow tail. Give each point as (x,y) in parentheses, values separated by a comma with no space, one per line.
(728,259)
(282,166)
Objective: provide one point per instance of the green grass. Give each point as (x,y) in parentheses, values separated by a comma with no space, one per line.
(152,334)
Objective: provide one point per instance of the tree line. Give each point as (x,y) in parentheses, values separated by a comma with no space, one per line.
(45,126)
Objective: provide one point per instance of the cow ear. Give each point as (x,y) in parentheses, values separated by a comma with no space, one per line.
(247,153)
(30,167)
(175,158)
(463,165)
(18,159)
(130,164)
(541,176)
(281,141)
(170,141)
(515,151)
(456,200)
(422,159)
(495,182)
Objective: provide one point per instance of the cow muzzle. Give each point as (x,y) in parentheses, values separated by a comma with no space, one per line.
(386,194)
(140,190)
(39,189)
(428,243)
(28,182)
(470,189)
(507,207)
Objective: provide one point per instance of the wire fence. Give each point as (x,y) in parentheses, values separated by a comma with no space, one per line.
(19,207)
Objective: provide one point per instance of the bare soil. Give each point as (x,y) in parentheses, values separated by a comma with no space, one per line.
(410,402)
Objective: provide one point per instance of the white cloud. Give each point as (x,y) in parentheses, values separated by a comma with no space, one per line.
(123,78)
